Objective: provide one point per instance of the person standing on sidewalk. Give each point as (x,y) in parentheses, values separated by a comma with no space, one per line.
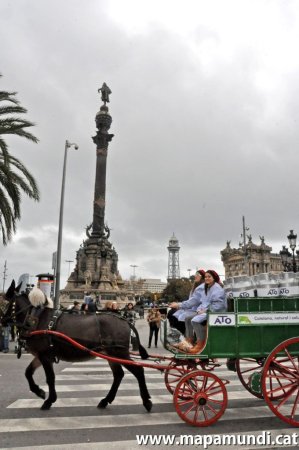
(154,320)
(130,315)
(5,339)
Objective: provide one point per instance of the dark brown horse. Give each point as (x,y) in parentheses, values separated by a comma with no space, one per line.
(105,333)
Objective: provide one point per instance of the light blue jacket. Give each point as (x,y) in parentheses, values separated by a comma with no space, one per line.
(194,300)
(214,300)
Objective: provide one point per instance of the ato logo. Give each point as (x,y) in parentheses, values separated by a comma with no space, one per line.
(273,292)
(223,320)
(244,294)
(284,291)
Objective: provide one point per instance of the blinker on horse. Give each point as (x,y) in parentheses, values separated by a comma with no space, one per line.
(105,333)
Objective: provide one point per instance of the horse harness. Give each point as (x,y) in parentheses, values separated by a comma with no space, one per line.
(30,323)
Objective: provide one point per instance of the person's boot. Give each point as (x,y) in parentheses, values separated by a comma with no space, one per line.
(197,347)
(185,344)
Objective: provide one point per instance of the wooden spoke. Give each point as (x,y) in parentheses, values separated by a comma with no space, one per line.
(245,369)
(175,372)
(280,381)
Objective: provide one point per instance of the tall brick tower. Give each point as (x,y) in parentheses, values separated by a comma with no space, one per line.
(96,268)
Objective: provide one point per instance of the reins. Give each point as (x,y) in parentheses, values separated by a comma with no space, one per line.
(96,354)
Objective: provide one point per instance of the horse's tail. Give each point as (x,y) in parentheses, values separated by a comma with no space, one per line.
(142,351)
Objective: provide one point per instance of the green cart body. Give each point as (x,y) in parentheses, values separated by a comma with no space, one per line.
(260,339)
(253,328)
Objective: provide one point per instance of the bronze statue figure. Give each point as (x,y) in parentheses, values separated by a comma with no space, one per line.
(105,92)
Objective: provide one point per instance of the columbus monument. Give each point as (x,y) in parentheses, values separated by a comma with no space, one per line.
(96,269)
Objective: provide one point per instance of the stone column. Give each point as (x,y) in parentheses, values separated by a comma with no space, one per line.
(102,139)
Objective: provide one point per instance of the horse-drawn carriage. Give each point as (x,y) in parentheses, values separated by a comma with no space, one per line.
(260,337)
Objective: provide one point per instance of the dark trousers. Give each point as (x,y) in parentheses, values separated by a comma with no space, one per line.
(134,342)
(153,330)
(12,333)
(174,322)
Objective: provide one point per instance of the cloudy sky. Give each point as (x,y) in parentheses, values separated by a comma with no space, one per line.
(205,109)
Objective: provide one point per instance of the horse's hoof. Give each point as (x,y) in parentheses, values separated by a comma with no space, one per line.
(103,403)
(46,406)
(148,405)
(42,394)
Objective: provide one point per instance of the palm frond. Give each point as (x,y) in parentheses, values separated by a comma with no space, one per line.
(6,212)
(12,110)
(15,178)
(32,191)
(9,183)
(4,150)
(9,97)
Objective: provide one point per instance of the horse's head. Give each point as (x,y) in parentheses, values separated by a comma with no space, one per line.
(14,307)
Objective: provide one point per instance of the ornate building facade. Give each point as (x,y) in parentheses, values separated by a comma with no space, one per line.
(250,259)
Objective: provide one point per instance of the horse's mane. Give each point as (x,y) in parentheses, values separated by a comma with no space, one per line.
(38,298)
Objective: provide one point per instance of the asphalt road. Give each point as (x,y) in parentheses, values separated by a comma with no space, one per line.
(74,422)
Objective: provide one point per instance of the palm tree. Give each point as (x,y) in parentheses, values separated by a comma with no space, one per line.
(14,177)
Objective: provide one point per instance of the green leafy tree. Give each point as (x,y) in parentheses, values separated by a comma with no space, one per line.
(15,179)
(177,290)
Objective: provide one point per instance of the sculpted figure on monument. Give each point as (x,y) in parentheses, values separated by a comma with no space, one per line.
(106,91)
(87,277)
(105,273)
(103,248)
(262,238)
(107,229)
(114,261)
(114,281)
(87,229)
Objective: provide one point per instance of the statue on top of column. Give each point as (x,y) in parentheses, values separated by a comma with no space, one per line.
(105,92)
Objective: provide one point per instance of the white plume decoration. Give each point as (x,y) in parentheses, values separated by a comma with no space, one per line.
(38,298)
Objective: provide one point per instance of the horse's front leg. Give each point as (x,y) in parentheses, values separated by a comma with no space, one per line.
(138,372)
(35,364)
(47,364)
(118,375)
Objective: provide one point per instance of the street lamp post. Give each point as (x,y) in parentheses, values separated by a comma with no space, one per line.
(4,276)
(189,270)
(288,259)
(133,277)
(292,241)
(60,227)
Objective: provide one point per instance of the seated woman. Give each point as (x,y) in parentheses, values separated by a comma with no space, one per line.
(187,309)
(214,300)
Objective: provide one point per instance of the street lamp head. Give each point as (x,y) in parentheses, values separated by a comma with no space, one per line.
(292,240)
(71,144)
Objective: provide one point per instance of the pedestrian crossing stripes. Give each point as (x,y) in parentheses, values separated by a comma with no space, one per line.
(121,420)
(117,426)
(120,400)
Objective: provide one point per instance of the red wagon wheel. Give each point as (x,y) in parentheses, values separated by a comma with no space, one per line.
(175,372)
(280,381)
(200,398)
(245,369)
